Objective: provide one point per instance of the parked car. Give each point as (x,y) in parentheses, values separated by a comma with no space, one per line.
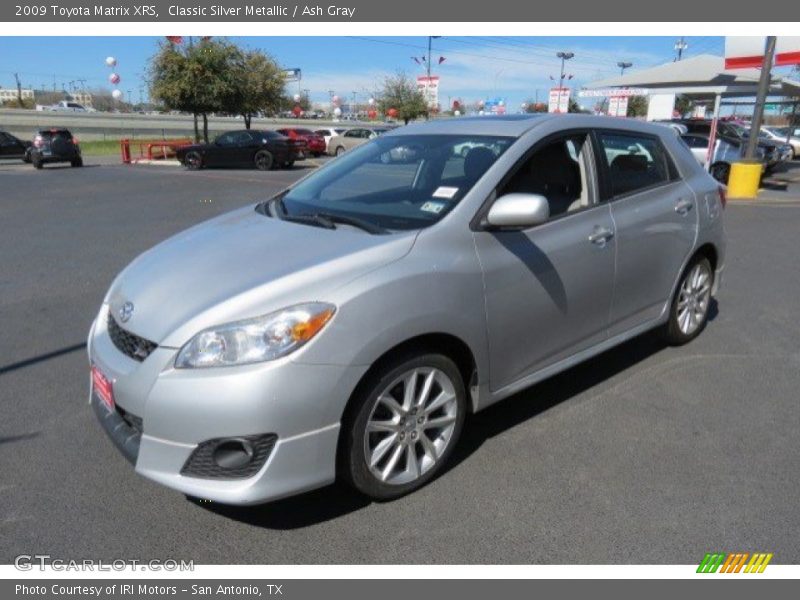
(781,134)
(55,146)
(13,147)
(736,134)
(263,150)
(354,137)
(726,152)
(314,141)
(328,133)
(64,106)
(345,327)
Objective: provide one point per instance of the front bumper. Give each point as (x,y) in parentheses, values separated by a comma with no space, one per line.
(182,408)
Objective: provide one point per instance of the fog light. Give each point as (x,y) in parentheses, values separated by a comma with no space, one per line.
(233,453)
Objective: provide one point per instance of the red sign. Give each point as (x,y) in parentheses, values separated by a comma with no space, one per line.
(747,52)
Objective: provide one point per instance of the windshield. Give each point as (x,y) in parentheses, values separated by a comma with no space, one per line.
(398,182)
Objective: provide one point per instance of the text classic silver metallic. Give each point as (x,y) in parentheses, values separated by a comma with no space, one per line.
(345,327)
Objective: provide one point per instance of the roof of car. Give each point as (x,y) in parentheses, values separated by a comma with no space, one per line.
(517,125)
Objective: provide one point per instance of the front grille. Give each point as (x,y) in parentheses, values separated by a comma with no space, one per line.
(201,462)
(130,345)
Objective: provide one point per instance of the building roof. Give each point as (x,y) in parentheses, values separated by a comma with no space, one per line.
(703,75)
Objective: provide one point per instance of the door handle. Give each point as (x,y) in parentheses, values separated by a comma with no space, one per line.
(601,235)
(683,206)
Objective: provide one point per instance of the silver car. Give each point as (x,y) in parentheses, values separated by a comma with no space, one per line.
(344,328)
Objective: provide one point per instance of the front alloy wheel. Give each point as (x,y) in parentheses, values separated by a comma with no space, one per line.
(193,161)
(406,427)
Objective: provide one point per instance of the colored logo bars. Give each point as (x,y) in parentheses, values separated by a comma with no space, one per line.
(733,562)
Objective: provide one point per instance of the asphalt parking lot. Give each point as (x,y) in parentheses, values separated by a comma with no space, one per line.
(645,454)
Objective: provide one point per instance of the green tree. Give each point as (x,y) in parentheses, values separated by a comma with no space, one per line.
(200,78)
(401,93)
(258,85)
(637,106)
(684,105)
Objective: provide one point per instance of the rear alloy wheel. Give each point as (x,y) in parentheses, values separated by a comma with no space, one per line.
(263,160)
(193,161)
(721,172)
(37,163)
(339,150)
(689,310)
(77,162)
(408,422)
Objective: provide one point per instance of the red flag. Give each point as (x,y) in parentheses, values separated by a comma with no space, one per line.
(442,59)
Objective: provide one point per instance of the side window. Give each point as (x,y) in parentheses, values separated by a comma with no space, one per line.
(634,162)
(226,139)
(242,137)
(558,171)
(353,133)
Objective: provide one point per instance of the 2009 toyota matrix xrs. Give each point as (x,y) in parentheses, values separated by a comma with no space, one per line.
(345,327)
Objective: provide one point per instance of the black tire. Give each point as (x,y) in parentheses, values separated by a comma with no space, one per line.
(193,161)
(263,160)
(77,162)
(721,171)
(672,332)
(353,465)
(27,157)
(37,163)
(339,151)
(288,164)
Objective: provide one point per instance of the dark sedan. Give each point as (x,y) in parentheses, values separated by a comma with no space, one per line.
(263,150)
(13,147)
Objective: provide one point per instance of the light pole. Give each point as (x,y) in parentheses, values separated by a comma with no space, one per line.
(564,56)
(353,109)
(680,46)
(623,65)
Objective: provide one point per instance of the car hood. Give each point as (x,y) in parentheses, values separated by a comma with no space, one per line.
(241,265)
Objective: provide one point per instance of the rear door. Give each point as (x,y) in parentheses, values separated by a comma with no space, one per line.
(655,217)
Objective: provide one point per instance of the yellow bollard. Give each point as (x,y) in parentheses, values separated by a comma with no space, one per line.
(744,180)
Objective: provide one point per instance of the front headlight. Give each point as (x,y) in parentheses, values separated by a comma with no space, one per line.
(255,340)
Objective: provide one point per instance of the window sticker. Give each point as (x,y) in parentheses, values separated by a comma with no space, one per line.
(433,207)
(444,191)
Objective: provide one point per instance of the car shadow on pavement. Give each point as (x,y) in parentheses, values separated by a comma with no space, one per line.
(338,500)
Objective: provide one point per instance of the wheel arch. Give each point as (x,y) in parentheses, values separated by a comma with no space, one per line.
(443,343)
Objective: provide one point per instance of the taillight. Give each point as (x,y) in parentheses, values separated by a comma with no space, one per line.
(723,197)
(75,141)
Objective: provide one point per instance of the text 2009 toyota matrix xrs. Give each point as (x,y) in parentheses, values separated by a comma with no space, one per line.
(345,327)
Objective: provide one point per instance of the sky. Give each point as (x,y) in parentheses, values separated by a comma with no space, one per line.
(517,69)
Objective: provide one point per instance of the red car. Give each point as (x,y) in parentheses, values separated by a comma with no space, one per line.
(314,142)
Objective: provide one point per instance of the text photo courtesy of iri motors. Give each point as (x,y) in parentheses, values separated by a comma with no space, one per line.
(398,300)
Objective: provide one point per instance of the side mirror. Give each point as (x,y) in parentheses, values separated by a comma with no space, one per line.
(519,211)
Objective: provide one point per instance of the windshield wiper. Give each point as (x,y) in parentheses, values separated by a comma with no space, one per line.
(326,220)
(367,226)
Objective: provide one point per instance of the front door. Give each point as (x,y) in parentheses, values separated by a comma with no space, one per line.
(548,289)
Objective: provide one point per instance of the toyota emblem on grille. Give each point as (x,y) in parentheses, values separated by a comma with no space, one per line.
(126,312)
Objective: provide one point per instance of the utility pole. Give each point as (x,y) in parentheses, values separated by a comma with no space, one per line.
(19,89)
(624,65)
(680,46)
(564,56)
(761,98)
(353,110)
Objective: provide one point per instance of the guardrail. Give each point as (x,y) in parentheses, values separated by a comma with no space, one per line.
(150,150)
